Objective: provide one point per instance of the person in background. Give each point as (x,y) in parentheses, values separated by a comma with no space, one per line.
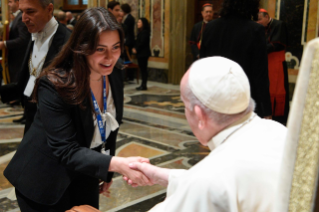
(17,42)
(70,18)
(277,39)
(48,37)
(198,29)
(237,37)
(115,8)
(142,49)
(71,143)
(128,26)
(61,18)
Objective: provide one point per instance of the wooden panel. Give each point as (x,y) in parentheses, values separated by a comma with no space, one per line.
(272,8)
(312,20)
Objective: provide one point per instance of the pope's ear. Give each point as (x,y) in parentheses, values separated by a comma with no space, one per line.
(200,116)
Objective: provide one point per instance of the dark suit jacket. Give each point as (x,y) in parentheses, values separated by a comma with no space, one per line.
(15,91)
(142,44)
(195,37)
(276,35)
(242,41)
(19,37)
(55,150)
(129,30)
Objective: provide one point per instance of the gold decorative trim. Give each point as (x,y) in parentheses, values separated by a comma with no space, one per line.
(307,161)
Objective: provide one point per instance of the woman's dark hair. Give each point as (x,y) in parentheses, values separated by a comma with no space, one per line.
(126,8)
(69,71)
(146,25)
(245,8)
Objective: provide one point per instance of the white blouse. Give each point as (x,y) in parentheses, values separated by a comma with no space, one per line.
(108,118)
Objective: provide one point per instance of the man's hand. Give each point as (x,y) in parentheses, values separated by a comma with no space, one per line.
(121,165)
(155,174)
(104,188)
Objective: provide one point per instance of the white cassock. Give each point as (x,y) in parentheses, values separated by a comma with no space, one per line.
(241,174)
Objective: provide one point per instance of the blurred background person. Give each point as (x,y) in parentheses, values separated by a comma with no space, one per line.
(142,49)
(17,43)
(198,29)
(61,18)
(70,18)
(115,8)
(237,37)
(128,26)
(277,41)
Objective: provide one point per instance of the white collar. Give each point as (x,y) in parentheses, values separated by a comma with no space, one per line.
(218,139)
(16,13)
(48,29)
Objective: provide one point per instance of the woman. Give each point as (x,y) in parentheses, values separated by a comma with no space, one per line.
(237,37)
(142,49)
(70,145)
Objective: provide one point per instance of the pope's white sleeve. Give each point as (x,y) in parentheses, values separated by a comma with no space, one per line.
(193,195)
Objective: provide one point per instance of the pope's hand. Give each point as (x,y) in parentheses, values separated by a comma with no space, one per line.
(121,165)
(155,174)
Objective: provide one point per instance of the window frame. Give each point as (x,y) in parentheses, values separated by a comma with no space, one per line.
(79,6)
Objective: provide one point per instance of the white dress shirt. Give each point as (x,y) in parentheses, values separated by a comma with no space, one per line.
(241,174)
(42,42)
(109,118)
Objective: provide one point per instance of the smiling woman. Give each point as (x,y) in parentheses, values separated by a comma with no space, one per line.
(71,144)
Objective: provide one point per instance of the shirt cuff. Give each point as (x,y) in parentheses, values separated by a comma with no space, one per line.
(5,43)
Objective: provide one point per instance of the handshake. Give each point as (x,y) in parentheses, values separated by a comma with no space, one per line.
(136,171)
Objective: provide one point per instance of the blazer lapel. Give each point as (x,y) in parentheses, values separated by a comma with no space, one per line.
(117,92)
(57,42)
(87,122)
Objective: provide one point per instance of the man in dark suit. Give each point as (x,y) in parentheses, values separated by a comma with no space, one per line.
(198,29)
(236,37)
(277,39)
(18,41)
(128,26)
(47,39)
(61,18)
(70,19)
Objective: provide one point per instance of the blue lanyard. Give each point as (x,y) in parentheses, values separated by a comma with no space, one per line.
(100,123)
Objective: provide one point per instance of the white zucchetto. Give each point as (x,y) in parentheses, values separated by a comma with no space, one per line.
(220,84)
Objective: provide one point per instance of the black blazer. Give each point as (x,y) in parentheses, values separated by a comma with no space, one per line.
(56,148)
(19,37)
(12,92)
(142,44)
(129,30)
(242,41)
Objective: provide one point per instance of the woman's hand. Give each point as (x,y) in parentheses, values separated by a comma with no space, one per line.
(104,188)
(121,165)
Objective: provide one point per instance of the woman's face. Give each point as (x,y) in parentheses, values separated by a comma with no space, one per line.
(108,51)
(139,24)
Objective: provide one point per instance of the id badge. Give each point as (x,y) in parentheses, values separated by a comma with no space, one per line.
(30,86)
(107,152)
